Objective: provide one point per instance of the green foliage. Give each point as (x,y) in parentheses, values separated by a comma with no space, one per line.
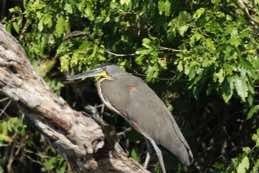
(246,162)
(55,164)
(220,54)
(20,148)
(200,56)
(135,155)
(9,128)
(217,50)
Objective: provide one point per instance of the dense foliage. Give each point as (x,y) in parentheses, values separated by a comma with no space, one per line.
(201,57)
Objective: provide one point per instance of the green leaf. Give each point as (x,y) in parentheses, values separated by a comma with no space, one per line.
(47,20)
(243,165)
(62,26)
(219,76)
(50,164)
(246,150)
(135,155)
(227,87)
(199,13)
(164,7)
(255,138)
(256,167)
(44,67)
(64,62)
(68,8)
(152,73)
(180,24)
(182,29)
(89,13)
(1,169)
(40,25)
(196,37)
(146,42)
(216,2)
(252,111)
(241,87)
(126,2)
(16,27)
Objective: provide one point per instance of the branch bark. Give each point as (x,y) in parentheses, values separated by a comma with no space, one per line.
(78,138)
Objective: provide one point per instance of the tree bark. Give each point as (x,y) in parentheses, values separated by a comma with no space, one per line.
(78,138)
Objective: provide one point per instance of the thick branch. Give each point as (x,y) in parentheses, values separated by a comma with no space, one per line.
(78,138)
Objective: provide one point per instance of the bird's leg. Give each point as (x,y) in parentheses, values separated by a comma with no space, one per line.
(92,110)
(156,148)
(102,106)
(158,153)
(122,134)
(124,131)
(147,159)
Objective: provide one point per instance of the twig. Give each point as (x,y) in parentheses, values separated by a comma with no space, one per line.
(10,160)
(161,48)
(74,34)
(6,106)
(169,49)
(4,99)
(123,133)
(119,55)
(33,160)
(11,155)
(159,78)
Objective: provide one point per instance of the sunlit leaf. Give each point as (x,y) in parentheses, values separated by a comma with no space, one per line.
(243,165)
(241,87)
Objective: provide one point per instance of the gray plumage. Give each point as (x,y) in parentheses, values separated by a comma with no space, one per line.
(144,110)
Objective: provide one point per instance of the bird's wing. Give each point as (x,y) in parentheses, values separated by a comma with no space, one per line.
(114,95)
(147,113)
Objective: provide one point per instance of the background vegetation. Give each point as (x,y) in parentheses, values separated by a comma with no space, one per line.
(201,58)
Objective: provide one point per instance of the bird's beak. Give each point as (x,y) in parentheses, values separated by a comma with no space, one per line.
(91,73)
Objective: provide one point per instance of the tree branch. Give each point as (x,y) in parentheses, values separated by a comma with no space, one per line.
(244,5)
(78,138)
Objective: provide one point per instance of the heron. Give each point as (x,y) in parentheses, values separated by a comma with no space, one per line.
(130,97)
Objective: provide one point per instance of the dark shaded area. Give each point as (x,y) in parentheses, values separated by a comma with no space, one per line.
(5,5)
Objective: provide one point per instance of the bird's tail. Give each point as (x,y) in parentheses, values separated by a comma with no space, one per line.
(178,145)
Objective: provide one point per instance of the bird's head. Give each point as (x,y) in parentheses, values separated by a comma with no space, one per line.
(105,71)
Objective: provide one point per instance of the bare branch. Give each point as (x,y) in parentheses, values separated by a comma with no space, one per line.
(75,34)
(5,107)
(169,49)
(119,55)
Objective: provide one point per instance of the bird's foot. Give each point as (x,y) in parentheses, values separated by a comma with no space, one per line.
(94,113)
(123,133)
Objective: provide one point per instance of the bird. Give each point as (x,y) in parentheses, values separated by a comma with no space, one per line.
(130,97)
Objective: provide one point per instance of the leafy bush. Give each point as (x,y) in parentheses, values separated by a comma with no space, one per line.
(201,57)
